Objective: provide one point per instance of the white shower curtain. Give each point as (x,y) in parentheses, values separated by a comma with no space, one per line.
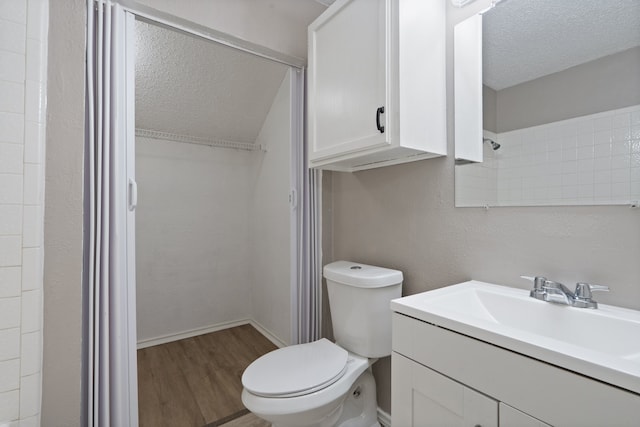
(310,281)
(110,373)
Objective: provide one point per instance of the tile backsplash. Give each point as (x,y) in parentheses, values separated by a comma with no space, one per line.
(23,59)
(587,160)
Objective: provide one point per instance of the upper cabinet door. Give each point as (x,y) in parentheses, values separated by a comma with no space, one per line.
(347,78)
(376,84)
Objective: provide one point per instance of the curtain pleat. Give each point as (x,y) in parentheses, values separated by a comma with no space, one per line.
(310,282)
(104,86)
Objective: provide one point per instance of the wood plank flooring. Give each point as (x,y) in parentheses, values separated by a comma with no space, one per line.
(196,381)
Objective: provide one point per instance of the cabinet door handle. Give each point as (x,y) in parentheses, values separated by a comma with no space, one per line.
(379,111)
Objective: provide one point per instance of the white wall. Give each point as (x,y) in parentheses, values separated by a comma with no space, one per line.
(213,232)
(192,236)
(270,249)
(23,53)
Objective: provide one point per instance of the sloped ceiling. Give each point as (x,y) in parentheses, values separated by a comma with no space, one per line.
(194,87)
(527,39)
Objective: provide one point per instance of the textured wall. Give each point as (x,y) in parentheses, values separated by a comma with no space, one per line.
(192,239)
(404,217)
(61,386)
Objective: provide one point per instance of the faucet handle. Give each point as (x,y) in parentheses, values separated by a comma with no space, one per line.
(538,290)
(584,290)
(538,281)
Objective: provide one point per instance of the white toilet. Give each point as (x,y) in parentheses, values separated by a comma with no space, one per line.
(323,384)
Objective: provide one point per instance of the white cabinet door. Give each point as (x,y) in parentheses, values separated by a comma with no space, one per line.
(347,78)
(377,84)
(421,397)
(511,417)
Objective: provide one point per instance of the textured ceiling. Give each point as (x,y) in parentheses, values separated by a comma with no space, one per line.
(190,86)
(527,39)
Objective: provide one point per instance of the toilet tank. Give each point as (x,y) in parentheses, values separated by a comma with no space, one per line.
(359,298)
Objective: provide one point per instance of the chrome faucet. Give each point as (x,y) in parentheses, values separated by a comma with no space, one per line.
(550,291)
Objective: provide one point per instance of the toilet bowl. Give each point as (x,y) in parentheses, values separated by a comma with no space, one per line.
(325,384)
(305,403)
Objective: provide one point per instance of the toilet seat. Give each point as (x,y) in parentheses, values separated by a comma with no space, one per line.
(296,370)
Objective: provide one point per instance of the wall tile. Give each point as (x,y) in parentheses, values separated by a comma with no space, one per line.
(30,421)
(33,142)
(31,269)
(37,19)
(9,312)
(29,395)
(13,36)
(10,281)
(11,127)
(621,191)
(33,110)
(31,311)
(31,353)
(635,191)
(32,226)
(602,191)
(9,344)
(11,158)
(621,175)
(11,97)
(9,404)
(33,60)
(602,123)
(621,120)
(12,66)
(10,251)
(14,10)
(32,184)
(602,176)
(9,375)
(602,150)
(10,189)
(10,219)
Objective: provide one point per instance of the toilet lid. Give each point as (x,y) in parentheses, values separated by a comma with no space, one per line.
(296,370)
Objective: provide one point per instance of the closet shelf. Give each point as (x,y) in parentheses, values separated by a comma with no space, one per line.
(221,143)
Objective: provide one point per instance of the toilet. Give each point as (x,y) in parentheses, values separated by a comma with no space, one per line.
(323,384)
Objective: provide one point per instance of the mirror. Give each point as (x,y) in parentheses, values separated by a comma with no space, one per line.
(560,105)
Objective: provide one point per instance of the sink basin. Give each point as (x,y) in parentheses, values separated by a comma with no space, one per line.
(603,344)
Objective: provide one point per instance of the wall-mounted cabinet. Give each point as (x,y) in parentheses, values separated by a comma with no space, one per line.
(376,84)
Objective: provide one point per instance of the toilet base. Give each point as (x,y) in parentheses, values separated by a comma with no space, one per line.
(360,408)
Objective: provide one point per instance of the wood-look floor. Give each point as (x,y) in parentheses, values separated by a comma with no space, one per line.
(196,381)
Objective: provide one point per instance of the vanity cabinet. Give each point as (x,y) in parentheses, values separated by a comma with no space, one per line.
(428,399)
(432,365)
(376,84)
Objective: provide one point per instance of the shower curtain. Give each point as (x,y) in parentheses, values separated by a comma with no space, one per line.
(110,384)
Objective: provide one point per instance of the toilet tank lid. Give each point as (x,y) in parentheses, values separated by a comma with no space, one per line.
(361,275)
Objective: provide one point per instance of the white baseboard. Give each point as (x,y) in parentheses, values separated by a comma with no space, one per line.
(150,342)
(384,418)
(268,334)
